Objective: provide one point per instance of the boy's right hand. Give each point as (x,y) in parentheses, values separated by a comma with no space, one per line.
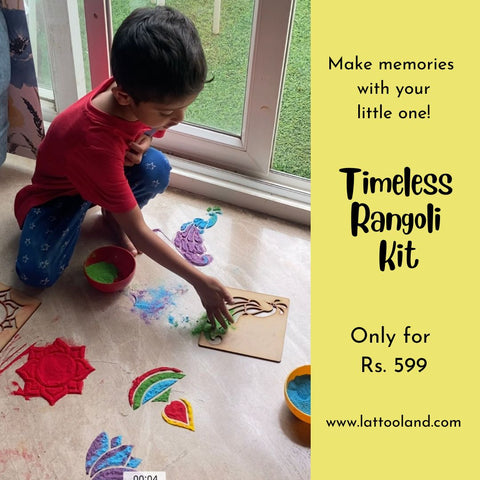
(134,155)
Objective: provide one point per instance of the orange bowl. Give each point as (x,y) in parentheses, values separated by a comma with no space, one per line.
(303,370)
(123,260)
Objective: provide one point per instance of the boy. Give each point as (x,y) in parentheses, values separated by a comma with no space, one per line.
(97,152)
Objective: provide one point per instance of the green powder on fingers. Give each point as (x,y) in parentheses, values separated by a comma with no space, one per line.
(102,272)
(203,325)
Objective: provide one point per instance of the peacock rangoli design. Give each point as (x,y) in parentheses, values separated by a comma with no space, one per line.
(188,240)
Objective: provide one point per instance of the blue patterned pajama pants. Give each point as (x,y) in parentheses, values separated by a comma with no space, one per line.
(51,230)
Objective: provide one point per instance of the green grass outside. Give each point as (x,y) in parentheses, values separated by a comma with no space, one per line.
(292,146)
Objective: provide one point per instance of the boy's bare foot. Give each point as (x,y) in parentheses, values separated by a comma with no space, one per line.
(122,237)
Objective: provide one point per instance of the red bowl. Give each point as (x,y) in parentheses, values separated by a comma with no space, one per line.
(123,260)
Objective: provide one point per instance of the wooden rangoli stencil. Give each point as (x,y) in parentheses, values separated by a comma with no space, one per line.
(15,309)
(259,328)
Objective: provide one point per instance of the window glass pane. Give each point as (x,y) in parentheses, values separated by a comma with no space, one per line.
(292,145)
(220,105)
(37,31)
(83,32)
(38,39)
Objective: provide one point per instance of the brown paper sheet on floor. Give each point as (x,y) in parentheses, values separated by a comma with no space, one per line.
(15,309)
(259,329)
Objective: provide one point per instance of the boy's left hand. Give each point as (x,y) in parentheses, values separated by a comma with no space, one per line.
(134,155)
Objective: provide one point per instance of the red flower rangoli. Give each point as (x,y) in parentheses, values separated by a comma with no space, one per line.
(54,371)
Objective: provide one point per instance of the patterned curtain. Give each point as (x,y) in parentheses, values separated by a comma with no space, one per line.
(25,129)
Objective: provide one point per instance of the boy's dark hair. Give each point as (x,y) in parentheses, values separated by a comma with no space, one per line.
(157,55)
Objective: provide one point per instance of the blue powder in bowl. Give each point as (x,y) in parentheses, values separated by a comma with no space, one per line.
(299,393)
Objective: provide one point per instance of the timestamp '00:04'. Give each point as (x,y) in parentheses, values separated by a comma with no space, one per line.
(144,476)
(401,365)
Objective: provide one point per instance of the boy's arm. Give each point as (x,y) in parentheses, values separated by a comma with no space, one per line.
(212,293)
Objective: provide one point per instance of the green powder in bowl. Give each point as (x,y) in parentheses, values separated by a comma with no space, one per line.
(102,272)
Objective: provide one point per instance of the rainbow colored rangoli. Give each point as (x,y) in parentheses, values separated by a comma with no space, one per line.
(155,386)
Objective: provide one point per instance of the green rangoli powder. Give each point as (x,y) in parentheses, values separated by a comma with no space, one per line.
(203,325)
(102,272)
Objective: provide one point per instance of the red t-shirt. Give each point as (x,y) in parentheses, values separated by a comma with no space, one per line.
(83,154)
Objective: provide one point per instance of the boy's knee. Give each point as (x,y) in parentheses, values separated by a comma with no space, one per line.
(150,177)
(156,170)
(37,275)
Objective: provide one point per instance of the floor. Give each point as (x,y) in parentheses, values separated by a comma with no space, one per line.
(243,428)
